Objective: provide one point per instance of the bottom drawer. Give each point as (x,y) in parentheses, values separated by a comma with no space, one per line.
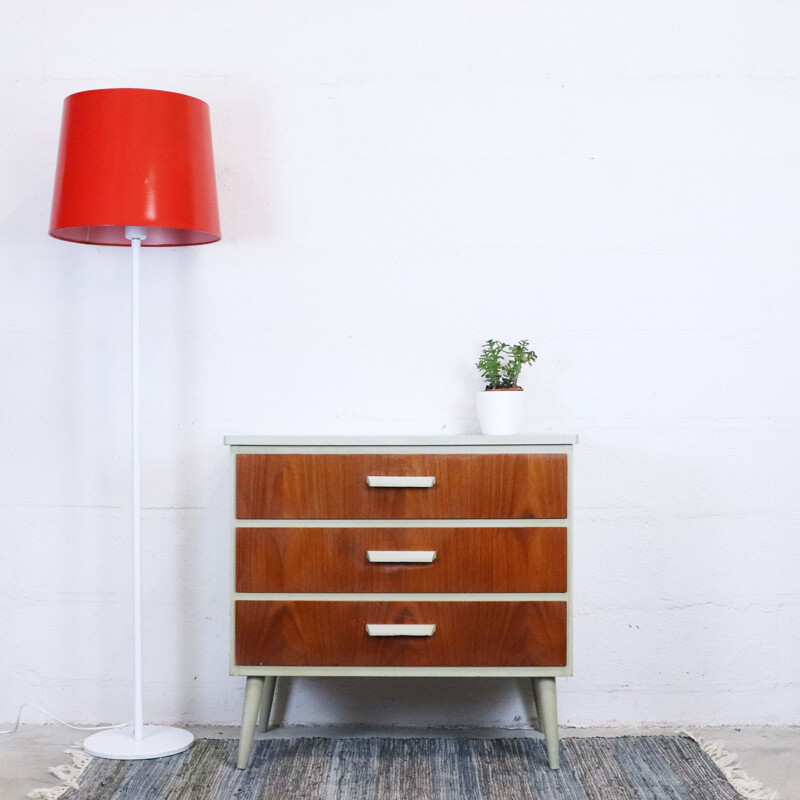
(334,633)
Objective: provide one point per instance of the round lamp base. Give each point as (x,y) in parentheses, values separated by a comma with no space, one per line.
(158,741)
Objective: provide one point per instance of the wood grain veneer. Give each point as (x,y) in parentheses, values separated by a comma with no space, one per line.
(311,633)
(335,560)
(333,486)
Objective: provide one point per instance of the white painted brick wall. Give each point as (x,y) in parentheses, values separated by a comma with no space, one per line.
(618,182)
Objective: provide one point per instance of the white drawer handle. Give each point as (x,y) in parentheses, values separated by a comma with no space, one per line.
(400,630)
(401,481)
(401,556)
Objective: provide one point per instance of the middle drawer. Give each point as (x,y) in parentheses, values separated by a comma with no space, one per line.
(388,559)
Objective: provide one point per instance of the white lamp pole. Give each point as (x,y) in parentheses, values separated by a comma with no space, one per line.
(136,234)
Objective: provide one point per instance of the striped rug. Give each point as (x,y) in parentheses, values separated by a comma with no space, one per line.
(624,768)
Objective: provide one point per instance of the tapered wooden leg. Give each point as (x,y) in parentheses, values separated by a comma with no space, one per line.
(252,701)
(266,702)
(544,694)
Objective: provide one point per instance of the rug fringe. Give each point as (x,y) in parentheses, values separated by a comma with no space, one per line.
(728,763)
(68,773)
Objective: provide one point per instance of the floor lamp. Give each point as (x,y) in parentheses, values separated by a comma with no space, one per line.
(135,168)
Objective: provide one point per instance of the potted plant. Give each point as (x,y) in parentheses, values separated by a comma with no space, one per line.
(500,403)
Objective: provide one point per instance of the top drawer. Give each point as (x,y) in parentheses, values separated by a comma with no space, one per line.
(467,486)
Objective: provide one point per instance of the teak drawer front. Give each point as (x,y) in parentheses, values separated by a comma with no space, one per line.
(468,486)
(473,634)
(466,560)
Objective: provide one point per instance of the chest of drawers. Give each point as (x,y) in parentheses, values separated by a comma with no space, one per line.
(398,556)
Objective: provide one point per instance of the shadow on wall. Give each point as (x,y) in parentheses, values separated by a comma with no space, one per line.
(404,702)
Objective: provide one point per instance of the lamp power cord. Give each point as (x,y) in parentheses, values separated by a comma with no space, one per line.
(60,721)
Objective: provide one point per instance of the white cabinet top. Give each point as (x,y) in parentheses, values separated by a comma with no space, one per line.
(525,439)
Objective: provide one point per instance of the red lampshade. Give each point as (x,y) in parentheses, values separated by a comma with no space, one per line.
(135,157)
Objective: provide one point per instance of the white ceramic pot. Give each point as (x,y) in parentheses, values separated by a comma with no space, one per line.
(500,411)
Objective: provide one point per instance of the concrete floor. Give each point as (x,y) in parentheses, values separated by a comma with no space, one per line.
(772,755)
